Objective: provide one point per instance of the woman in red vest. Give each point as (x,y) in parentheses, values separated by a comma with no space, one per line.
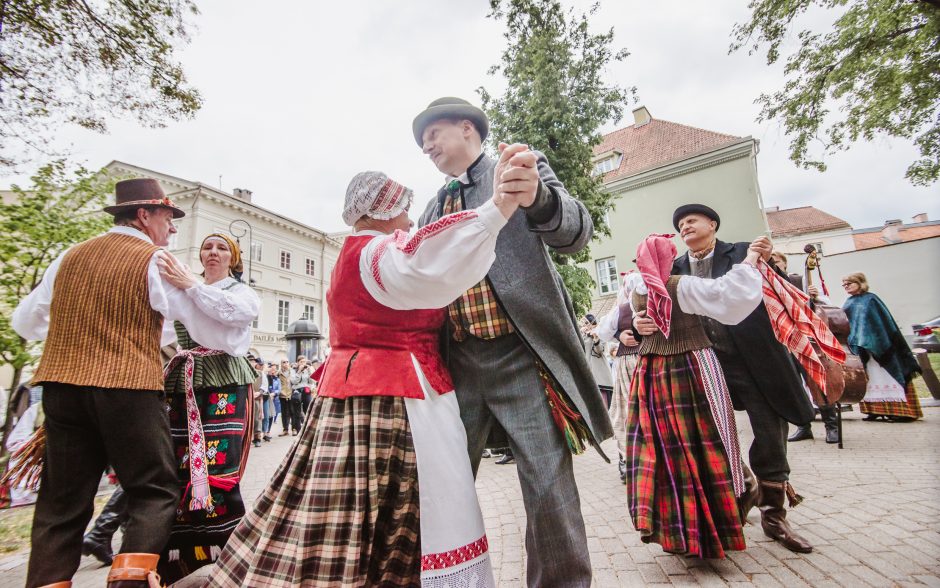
(344,508)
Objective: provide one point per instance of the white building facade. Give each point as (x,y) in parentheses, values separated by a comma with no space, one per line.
(286,262)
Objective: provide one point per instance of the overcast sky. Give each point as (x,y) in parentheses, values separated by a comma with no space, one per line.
(301,96)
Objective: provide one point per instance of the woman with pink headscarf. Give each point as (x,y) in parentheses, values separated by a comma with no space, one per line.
(682,454)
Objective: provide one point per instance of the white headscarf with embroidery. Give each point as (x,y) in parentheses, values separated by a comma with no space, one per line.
(375,195)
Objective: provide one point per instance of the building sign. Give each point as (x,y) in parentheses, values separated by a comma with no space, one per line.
(267,338)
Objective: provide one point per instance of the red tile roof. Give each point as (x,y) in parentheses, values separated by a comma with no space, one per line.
(799,221)
(657,143)
(871,238)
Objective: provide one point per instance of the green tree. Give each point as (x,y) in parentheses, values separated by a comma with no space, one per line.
(556,100)
(876,72)
(81,62)
(61,208)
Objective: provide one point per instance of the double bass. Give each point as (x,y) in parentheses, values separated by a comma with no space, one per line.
(846,383)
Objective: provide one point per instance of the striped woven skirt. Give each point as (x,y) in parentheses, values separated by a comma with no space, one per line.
(197,537)
(624,366)
(680,490)
(344,508)
(910,408)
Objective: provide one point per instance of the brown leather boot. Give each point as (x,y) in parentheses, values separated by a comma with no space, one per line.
(134,570)
(62,584)
(751,495)
(773,515)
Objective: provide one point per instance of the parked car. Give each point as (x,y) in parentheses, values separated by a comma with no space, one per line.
(925,336)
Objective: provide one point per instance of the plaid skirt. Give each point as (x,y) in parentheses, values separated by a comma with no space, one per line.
(679,482)
(909,409)
(342,508)
(197,537)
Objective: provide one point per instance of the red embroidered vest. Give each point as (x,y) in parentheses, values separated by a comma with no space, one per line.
(372,344)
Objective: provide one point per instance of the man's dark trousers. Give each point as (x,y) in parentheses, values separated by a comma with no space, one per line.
(86,429)
(768,454)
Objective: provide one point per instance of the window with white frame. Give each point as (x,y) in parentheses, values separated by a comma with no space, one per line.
(607,275)
(818,247)
(255,253)
(309,312)
(257,320)
(311,267)
(285,259)
(283,314)
(607,164)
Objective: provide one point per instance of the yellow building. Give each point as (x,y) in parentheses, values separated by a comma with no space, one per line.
(654,166)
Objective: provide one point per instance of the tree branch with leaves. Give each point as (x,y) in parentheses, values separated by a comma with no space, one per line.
(60,208)
(83,62)
(556,100)
(876,73)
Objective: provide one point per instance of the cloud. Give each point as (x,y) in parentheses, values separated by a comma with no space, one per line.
(301,96)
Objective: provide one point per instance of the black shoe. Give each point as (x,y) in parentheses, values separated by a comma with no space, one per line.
(267,437)
(832,435)
(99,551)
(622,467)
(871,417)
(257,442)
(508,458)
(802,433)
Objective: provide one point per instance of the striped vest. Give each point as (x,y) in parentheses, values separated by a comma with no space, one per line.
(685,330)
(212,371)
(102,329)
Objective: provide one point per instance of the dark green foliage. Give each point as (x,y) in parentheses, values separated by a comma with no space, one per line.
(876,72)
(556,101)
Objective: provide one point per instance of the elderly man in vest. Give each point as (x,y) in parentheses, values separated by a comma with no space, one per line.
(512,340)
(761,375)
(105,298)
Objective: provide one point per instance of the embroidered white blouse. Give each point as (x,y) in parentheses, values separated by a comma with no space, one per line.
(728,299)
(213,317)
(436,264)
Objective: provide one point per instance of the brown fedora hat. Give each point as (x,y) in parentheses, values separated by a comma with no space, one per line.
(140,192)
(450,107)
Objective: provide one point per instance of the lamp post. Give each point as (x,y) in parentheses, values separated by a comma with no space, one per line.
(238,235)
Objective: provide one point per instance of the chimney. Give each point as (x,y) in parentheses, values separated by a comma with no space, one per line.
(891,232)
(641,116)
(920,217)
(242,194)
(772,209)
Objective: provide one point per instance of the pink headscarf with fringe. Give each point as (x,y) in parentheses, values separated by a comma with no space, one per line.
(654,258)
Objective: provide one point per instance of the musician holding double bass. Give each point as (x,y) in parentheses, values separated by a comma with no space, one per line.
(827,411)
(761,376)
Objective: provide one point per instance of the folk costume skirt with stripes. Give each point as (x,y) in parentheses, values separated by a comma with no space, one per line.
(344,508)
(680,491)
(198,536)
(908,409)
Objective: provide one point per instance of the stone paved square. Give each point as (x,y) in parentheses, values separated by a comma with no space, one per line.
(872,511)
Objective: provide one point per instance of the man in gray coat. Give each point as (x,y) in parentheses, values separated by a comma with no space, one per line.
(513,332)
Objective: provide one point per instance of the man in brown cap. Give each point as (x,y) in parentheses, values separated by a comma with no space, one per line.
(105,298)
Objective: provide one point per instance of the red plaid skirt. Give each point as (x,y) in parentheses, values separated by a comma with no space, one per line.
(679,486)
(342,508)
(910,409)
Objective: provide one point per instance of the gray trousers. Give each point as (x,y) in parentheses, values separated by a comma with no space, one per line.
(768,453)
(498,381)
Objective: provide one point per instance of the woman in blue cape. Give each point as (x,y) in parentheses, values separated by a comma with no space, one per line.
(891,366)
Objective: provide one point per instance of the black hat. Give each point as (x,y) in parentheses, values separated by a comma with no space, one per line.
(590,318)
(687,209)
(450,107)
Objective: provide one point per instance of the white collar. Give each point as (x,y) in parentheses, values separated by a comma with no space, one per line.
(131,232)
(462,178)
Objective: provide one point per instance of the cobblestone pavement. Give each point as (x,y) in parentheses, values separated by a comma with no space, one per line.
(872,510)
